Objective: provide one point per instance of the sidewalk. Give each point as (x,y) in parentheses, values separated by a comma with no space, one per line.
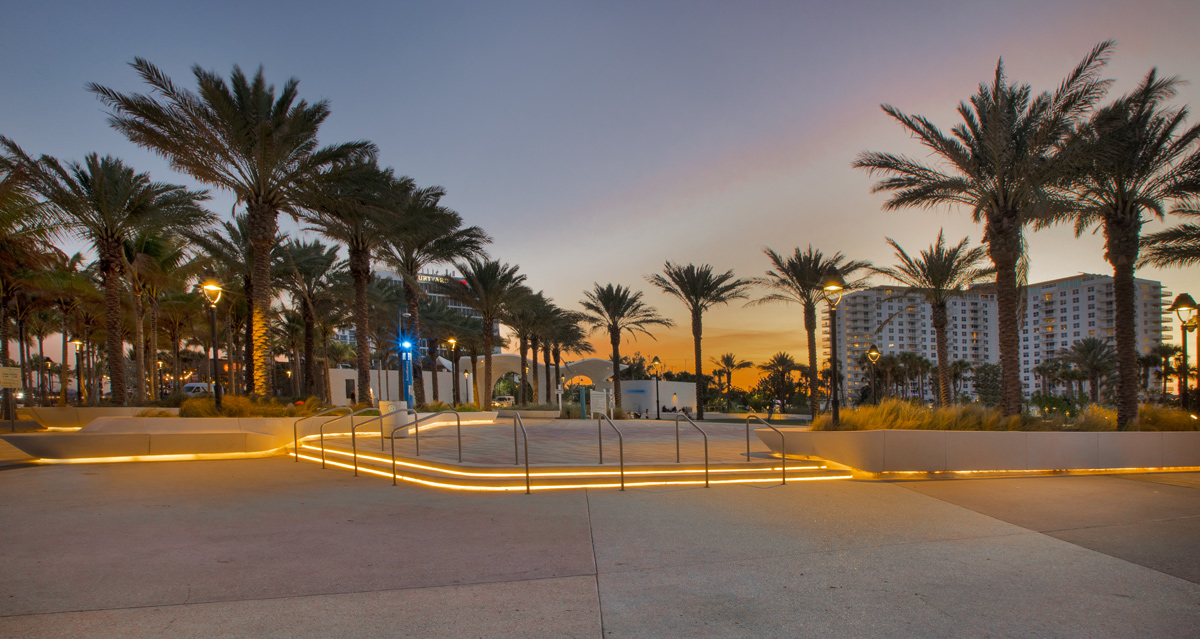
(272,548)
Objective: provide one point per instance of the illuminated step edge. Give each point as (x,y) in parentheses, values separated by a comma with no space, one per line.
(510,478)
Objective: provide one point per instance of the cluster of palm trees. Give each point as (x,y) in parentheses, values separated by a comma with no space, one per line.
(1017,160)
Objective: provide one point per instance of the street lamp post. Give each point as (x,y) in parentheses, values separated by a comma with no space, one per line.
(873,356)
(78,343)
(404,351)
(212,291)
(454,370)
(833,285)
(656,364)
(1185,308)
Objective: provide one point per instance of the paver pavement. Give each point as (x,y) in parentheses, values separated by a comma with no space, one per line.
(272,548)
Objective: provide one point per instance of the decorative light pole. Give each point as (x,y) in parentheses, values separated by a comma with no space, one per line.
(833,285)
(78,343)
(454,370)
(873,355)
(656,364)
(1185,308)
(212,291)
(404,351)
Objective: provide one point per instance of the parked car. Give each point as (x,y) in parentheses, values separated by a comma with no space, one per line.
(197,389)
(504,401)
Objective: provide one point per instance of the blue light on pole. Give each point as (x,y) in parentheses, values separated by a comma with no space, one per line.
(406,357)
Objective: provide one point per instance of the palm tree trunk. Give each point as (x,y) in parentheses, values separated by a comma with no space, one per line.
(546,365)
(1122,253)
(310,326)
(697,335)
(1003,238)
(110,275)
(360,272)
(533,369)
(614,338)
(155,391)
(229,351)
(433,381)
(810,328)
(139,345)
(63,372)
(456,395)
(488,338)
(248,346)
(943,354)
(522,399)
(475,377)
(262,231)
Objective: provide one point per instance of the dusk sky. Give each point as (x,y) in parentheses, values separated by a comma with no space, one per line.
(594,141)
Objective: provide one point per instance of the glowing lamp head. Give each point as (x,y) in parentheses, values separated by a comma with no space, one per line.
(406,345)
(451,342)
(1184,307)
(211,288)
(833,285)
(873,354)
(77,342)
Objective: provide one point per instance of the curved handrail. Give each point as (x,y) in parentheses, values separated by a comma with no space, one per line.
(295,433)
(353,428)
(417,429)
(525,436)
(416,426)
(782,443)
(339,417)
(685,416)
(620,445)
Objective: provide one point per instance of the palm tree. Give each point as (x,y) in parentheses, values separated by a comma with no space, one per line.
(354,205)
(488,287)
(568,337)
(939,274)
(241,137)
(1165,353)
(1176,246)
(309,271)
(999,162)
(1050,371)
(1135,156)
(105,202)
(1094,357)
(700,289)
(616,309)
(726,364)
(779,371)
(429,234)
(797,280)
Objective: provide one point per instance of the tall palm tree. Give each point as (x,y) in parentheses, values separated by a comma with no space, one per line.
(779,371)
(428,234)
(1176,246)
(488,287)
(1165,353)
(105,202)
(999,162)
(616,309)
(796,279)
(700,289)
(726,364)
(241,137)
(1136,156)
(1095,358)
(570,338)
(939,274)
(309,271)
(65,286)
(354,204)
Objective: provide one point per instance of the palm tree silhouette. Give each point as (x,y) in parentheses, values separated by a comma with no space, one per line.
(616,309)
(700,289)
(999,162)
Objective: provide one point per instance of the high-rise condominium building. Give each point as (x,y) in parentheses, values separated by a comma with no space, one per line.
(1055,315)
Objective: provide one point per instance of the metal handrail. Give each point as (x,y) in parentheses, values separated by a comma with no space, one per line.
(685,416)
(782,443)
(416,427)
(525,436)
(354,442)
(295,433)
(322,431)
(620,445)
(398,410)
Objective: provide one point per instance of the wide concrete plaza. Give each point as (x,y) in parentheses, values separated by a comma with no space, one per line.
(272,548)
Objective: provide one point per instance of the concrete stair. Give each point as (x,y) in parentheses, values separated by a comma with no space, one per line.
(480,477)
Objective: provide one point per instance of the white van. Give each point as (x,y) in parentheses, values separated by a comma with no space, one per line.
(503,401)
(197,389)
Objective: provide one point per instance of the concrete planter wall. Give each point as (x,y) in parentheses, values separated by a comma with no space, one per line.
(147,436)
(886,451)
(72,417)
(529,414)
